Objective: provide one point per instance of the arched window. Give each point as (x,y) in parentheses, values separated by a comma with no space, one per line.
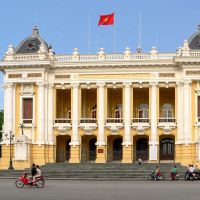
(143,111)
(69,112)
(167,111)
(94,111)
(118,111)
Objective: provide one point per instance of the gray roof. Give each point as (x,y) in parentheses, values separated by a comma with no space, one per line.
(32,43)
(194,40)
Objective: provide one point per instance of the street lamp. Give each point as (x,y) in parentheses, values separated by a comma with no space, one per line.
(10,137)
(22,127)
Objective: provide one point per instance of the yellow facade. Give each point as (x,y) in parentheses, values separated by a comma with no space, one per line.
(101,108)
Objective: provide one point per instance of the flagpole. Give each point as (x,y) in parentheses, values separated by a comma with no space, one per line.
(35,18)
(114,36)
(139,48)
(89,34)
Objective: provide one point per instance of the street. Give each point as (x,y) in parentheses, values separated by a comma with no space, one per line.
(100,190)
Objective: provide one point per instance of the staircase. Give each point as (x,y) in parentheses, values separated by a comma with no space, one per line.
(110,171)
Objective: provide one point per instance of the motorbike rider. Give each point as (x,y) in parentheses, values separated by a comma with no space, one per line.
(174,173)
(191,171)
(157,173)
(39,172)
(196,169)
(33,172)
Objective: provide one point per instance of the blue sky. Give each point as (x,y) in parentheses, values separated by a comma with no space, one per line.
(64,24)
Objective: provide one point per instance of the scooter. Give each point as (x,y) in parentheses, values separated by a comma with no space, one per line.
(25,181)
(192,176)
(174,177)
(154,177)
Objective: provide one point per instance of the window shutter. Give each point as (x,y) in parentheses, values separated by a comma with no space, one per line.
(28,108)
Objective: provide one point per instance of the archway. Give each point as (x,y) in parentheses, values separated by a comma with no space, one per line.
(62,148)
(142,149)
(92,149)
(117,149)
(167,148)
(88,148)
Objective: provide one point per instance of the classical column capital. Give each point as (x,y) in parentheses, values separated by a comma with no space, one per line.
(153,84)
(75,85)
(101,84)
(8,85)
(50,85)
(179,83)
(127,84)
(41,84)
(187,82)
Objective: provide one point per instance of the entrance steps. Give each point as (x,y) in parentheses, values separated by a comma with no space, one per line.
(101,171)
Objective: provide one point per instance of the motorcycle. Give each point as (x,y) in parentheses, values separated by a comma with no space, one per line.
(192,176)
(174,177)
(24,180)
(154,177)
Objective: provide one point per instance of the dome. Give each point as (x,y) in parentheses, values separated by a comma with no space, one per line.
(32,43)
(194,40)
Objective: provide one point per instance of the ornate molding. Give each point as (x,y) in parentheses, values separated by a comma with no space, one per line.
(166,75)
(62,76)
(192,72)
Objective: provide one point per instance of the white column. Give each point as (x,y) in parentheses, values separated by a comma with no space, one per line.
(41,113)
(101,114)
(153,144)
(198,144)
(14,107)
(75,101)
(5,110)
(187,113)
(179,113)
(9,107)
(50,113)
(127,114)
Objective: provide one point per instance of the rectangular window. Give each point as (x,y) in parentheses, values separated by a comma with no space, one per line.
(198,107)
(27,110)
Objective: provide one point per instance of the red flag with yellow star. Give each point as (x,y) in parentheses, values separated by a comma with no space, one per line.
(106,19)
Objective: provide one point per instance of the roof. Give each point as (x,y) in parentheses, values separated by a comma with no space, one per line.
(194,40)
(32,43)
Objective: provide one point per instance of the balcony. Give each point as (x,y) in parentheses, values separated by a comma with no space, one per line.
(167,120)
(114,124)
(88,125)
(27,121)
(62,125)
(140,125)
(62,121)
(167,124)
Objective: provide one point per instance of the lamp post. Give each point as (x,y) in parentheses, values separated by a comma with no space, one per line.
(22,127)
(10,138)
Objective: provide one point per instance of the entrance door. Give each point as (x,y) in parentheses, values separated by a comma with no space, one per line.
(167,149)
(62,148)
(142,149)
(68,149)
(92,149)
(117,149)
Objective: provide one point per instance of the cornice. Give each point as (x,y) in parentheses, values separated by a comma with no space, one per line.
(27,64)
(187,60)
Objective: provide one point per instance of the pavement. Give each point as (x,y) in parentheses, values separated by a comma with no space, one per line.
(102,190)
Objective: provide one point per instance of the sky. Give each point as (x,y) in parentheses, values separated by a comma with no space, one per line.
(68,24)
